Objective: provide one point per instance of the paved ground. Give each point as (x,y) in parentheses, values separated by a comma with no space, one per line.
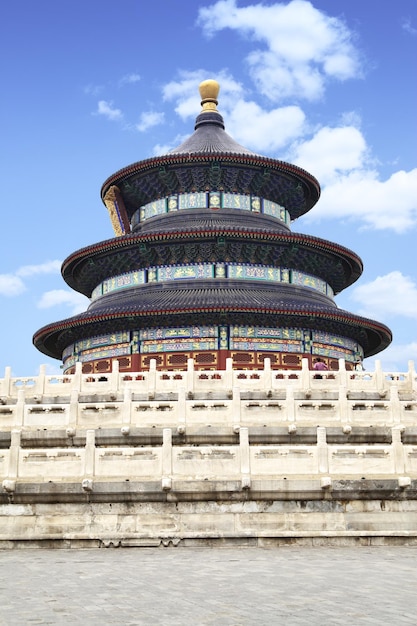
(292,586)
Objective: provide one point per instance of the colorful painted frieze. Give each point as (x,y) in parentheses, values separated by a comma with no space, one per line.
(124,281)
(104,353)
(214,200)
(185,332)
(102,340)
(97,292)
(306,280)
(263,332)
(253,272)
(334,340)
(153,208)
(274,209)
(173,203)
(180,272)
(196,200)
(236,201)
(267,344)
(180,345)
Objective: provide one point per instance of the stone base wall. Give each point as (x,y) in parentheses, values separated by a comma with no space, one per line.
(254,522)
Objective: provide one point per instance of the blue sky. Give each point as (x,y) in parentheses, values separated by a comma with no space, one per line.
(89,87)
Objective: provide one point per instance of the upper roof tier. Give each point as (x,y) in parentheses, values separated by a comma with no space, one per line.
(211,160)
(209,135)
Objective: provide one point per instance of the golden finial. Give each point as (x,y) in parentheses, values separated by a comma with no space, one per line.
(209,90)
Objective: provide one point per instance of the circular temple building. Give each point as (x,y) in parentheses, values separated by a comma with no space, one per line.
(204,266)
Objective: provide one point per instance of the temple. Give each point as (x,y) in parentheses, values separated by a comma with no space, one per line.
(188,411)
(204,266)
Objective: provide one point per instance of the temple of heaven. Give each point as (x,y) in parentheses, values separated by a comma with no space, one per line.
(204,266)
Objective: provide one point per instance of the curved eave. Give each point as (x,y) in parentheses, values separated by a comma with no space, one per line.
(54,338)
(161,185)
(75,264)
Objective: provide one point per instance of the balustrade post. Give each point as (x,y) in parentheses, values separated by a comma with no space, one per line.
(182,409)
(13,469)
(244,458)
(20,408)
(322,451)
(342,402)
(40,381)
(228,374)
(73,409)
(395,405)
(342,373)
(6,387)
(127,407)
(90,449)
(114,377)
(236,407)
(290,404)
(305,375)
(190,376)
(166,459)
(267,375)
(379,376)
(76,378)
(411,377)
(151,378)
(398,450)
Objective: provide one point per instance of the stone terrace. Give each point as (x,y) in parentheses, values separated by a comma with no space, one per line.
(136,459)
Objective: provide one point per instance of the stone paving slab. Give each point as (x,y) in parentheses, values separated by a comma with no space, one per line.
(230,586)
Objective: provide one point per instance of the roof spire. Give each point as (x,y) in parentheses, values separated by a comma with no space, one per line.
(209,90)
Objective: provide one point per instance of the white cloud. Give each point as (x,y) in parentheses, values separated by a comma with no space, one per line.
(11,285)
(76,301)
(149,119)
(351,187)
(106,108)
(263,130)
(331,151)
(160,149)
(391,295)
(302,46)
(406,25)
(52,369)
(395,358)
(277,81)
(361,196)
(183,92)
(49,267)
(93,90)
(129,79)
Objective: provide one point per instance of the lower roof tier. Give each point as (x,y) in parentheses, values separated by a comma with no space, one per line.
(222,302)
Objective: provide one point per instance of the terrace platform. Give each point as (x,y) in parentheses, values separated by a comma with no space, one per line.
(192,457)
